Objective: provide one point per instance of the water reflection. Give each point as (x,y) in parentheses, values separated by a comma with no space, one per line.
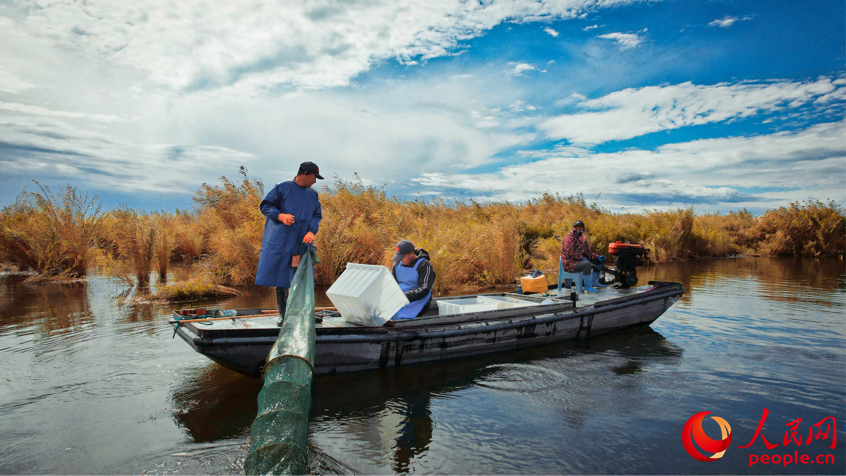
(415,430)
(214,403)
(53,308)
(389,413)
(781,279)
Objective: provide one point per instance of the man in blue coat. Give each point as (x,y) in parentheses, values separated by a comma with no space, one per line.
(293,217)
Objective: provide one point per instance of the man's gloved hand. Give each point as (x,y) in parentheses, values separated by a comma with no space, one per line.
(308,238)
(601,259)
(286,219)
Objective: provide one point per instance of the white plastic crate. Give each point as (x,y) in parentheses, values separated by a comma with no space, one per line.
(479,304)
(509,302)
(367,294)
(465,305)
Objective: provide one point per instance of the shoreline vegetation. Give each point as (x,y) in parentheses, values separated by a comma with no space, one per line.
(472,244)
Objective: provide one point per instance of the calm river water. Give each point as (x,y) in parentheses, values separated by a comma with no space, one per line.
(88,385)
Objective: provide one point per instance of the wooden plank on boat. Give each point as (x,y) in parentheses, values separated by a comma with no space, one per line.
(263,314)
(209,319)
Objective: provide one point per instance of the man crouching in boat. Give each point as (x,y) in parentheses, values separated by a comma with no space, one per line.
(415,275)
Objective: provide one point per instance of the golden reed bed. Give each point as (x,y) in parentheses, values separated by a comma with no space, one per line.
(472,244)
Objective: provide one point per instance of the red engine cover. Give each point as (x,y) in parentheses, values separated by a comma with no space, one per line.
(615,248)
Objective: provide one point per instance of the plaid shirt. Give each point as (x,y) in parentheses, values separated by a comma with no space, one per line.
(573,250)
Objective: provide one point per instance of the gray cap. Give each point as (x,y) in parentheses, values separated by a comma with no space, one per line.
(404,247)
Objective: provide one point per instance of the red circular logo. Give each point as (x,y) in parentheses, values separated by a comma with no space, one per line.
(693,432)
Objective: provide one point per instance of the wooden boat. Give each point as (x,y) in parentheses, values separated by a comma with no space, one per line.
(242,342)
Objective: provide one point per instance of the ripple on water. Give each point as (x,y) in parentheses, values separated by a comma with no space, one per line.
(522,378)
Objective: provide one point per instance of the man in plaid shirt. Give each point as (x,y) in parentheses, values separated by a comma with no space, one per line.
(573,249)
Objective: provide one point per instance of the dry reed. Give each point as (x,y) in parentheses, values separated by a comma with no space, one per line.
(471,244)
(810,229)
(194,290)
(189,242)
(230,218)
(135,235)
(52,234)
(165,239)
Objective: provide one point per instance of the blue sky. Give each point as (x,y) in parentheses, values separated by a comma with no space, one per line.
(637,105)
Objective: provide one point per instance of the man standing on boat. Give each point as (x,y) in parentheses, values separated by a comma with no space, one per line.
(416,277)
(573,249)
(293,214)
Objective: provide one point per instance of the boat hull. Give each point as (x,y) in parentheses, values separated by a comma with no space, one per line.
(440,338)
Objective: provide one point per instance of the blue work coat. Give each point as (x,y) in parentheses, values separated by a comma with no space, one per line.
(280,242)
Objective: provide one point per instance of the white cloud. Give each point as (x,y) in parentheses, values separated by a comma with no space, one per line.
(436,179)
(520,67)
(53,148)
(551,32)
(634,112)
(9,83)
(107,95)
(484,121)
(714,173)
(520,106)
(626,40)
(209,44)
(591,27)
(424,126)
(727,21)
(571,99)
(41,111)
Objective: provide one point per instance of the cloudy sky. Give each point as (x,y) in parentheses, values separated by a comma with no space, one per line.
(635,104)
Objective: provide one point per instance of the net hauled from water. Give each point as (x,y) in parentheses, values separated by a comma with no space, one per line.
(280,431)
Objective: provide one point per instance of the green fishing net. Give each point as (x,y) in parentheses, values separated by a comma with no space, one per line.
(280,431)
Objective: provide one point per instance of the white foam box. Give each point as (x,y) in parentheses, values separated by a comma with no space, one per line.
(367,294)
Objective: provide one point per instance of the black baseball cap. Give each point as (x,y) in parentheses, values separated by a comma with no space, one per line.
(578,223)
(404,247)
(310,167)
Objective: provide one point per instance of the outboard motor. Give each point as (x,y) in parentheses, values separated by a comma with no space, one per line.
(628,256)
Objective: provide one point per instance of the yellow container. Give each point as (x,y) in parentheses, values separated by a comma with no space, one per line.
(534,285)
